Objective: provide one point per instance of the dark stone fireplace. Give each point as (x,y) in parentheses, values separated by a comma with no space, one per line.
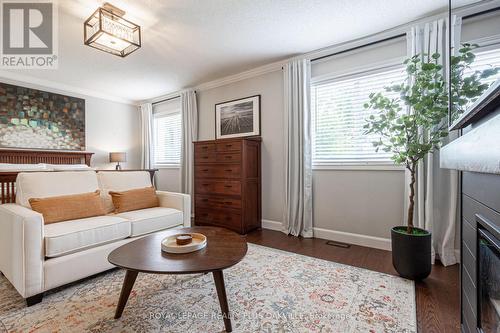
(488,261)
(477,154)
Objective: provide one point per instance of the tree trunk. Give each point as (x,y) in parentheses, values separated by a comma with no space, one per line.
(411,206)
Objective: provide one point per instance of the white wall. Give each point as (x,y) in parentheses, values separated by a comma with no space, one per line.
(110,126)
(357,201)
(168,179)
(270,87)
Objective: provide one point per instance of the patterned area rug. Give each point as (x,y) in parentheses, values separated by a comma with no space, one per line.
(269,291)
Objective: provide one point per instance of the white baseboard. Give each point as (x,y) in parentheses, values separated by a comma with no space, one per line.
(271,225)
(339,236)
(356,239)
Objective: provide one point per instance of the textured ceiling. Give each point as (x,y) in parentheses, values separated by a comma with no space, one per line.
(187,42)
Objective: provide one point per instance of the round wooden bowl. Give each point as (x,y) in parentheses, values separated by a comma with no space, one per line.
(183,239)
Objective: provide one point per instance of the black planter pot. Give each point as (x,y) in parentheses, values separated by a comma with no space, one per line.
(411,254)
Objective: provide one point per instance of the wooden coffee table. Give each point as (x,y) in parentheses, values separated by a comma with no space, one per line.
(224,249)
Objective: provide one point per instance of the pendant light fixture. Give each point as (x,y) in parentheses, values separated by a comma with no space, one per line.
(108,31)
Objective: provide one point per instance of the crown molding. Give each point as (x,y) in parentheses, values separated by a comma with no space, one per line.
(36,83)
(272,67)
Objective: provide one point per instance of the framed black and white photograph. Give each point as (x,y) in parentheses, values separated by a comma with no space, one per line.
(238,118)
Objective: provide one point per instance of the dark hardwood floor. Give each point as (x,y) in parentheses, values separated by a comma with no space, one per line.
(438,307)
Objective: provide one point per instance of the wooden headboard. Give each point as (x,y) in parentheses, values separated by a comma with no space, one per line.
(23,156)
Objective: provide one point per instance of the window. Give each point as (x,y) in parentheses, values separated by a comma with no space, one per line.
(167,128)
(338,117)
(485,60)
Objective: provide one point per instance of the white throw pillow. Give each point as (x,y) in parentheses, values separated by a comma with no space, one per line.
(68,167)
(6,167)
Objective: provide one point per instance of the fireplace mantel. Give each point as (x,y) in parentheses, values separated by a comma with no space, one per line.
(478,149)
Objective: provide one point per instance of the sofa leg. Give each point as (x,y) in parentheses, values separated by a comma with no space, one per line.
(34,299)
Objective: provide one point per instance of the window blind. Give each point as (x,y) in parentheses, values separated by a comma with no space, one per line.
(338,117)
(167,129)
(486,60)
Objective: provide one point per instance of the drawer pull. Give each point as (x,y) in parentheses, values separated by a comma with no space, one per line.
(228,157)
(228,186)
(229,146)
(205,147)
(229,170)
(204,157)
(205,200)
(205,184)
(228,203)
(205,170)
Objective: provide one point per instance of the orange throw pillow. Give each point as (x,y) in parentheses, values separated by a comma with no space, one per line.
(134,199)
(68,207)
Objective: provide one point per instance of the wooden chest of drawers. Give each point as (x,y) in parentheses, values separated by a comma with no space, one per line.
(227,185)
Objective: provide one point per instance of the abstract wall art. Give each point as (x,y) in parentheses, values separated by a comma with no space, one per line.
(36,119)
(238,118)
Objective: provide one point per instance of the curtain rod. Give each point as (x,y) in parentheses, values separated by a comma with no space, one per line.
(168,99)
(358,47)
(165,100)
(481,13)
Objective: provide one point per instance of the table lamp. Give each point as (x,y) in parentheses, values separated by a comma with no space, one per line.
(118,157)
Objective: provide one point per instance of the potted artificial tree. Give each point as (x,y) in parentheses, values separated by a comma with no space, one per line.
(410,136)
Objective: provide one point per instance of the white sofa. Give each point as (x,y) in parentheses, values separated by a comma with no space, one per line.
(36,257)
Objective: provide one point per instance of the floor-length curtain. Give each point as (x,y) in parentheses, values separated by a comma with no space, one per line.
(146,135)
(436,206)
(297,217)
(189,111)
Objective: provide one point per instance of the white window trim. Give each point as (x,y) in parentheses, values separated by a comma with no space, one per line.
(162,114)
(359,71)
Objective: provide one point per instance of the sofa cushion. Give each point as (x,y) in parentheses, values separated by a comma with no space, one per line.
(51,184)
(68,207)
(77,235)
(120,181)
(148,220)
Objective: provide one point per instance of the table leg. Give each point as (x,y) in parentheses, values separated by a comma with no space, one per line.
(221,292)
(128,283)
